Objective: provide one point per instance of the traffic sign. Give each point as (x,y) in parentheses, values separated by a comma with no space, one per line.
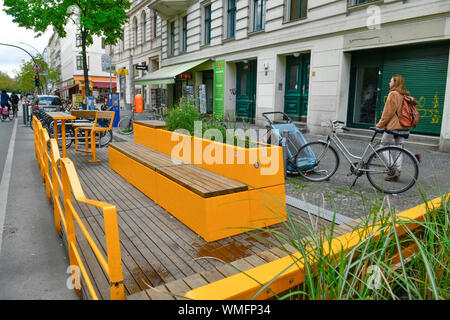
(36,67)
(106,61)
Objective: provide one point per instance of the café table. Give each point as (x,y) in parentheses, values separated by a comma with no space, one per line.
(62,116)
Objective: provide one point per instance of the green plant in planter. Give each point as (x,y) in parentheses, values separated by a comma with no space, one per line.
(182,116)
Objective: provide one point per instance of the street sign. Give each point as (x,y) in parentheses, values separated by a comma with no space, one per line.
(43,73)
(123,71)
(36,67)
(142,67)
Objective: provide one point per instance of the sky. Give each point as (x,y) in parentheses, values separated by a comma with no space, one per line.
(10,33)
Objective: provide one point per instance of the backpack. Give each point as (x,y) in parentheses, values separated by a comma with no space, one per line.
(409,116)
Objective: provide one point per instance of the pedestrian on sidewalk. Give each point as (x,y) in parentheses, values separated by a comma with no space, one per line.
(395,134)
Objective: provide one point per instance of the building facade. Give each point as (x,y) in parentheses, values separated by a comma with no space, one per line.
(314,60)
(139,53)
(67,59)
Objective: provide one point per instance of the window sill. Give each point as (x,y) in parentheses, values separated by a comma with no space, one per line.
(296,21)
(256,32)
(228,39)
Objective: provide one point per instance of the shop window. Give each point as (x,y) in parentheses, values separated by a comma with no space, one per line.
(207,25)
(298,9)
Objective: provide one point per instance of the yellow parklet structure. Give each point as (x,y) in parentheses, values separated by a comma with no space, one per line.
(215,200)
(62,187)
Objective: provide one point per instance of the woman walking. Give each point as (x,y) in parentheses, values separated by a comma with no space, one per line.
(395,134)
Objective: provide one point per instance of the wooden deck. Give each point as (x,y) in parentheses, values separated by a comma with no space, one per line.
(158,251)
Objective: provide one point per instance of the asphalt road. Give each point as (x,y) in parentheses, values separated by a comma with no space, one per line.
(33,261)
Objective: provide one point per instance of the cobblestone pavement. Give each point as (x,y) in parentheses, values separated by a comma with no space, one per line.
(335,194)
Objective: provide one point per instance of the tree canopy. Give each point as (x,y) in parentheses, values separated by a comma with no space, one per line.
(25,76)
(6,83)
(103,18)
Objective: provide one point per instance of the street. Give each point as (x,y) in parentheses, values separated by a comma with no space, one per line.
(33,261)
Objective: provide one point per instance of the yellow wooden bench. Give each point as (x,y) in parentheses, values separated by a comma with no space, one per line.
(92,130)
(210,204)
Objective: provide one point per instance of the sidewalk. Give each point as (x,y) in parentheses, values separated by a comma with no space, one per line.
(434,178)
(33,260)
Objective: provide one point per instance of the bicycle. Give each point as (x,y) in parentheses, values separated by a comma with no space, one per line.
(376,162)
(125,125)
(6,113)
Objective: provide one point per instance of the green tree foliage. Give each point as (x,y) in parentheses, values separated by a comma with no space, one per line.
(103,18)
(6,83)
(25,76)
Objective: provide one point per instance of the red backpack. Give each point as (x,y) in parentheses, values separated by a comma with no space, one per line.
(409,116)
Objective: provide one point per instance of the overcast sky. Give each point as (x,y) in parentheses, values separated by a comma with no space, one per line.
(10,33)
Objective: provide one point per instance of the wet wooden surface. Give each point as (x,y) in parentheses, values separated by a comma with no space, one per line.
(159,253)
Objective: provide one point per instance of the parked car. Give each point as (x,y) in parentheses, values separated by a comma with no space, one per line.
(47,103)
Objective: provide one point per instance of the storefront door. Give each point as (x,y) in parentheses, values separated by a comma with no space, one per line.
(424,68)
(246,90)
(365,79)
(297,86)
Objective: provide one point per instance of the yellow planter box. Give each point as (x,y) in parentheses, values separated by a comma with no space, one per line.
(212,218)
(257,167)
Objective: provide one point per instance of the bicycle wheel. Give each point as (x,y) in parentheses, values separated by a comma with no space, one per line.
(105,137)
(316,161)
(125,126)
(11,115)
(385,161)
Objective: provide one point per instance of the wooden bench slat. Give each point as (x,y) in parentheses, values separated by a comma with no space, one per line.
(200,181)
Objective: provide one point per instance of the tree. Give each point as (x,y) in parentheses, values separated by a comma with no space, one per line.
(103,18)
(6,83)
(25,76)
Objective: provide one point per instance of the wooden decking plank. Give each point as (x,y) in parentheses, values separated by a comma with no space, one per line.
(167,244)
(127,263)
(155,244)
(159,293)
(178,288)
(148,215)
(195,281)
(141,295)
(155,271)
(267,255)
(254,260)
(212,275)
(86,176)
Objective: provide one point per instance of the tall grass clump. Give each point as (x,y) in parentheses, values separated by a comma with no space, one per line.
(388,262)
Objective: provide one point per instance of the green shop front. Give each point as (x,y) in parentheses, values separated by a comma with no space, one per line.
(424,68)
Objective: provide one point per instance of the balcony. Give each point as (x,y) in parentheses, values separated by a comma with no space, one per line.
(169,8)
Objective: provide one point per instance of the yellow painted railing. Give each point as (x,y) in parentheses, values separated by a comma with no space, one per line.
(283,274)
(59,173)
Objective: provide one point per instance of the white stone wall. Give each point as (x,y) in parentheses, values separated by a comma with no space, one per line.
(331,31)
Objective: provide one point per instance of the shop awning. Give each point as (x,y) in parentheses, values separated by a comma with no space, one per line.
(104,84)
(68,87)
(166,75)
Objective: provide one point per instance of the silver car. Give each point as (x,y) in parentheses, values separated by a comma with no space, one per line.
(47,103)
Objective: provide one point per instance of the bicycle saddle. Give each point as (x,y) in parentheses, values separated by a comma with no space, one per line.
(379,130)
